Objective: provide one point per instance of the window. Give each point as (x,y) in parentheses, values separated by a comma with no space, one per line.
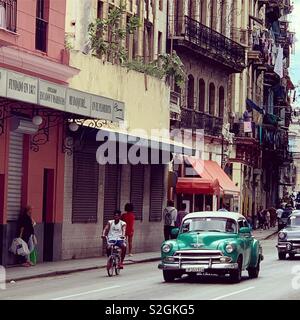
(161,5)
(8,14)
(137,190)
(212,93)
(191,8)
(148,45)
(156,192)
(191,91)
(202,11)
(213,13)
(201,95)
(42,15)
(159,45)
(129,42)
(223,17)
(221,102)
(100,10)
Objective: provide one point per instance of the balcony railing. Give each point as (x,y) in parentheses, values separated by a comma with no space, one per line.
(239,130)
(8,15)
(211,43)
(191,119)
(41,35)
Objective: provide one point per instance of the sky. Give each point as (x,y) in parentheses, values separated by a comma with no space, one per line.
(295,59)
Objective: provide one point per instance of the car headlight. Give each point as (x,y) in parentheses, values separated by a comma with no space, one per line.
(166,248)
(229,248)
(281,235)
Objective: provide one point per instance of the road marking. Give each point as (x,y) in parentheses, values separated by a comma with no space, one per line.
(85,293)
(233,293)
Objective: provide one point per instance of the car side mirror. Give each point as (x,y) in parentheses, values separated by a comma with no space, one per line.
(175,232)
(244,230)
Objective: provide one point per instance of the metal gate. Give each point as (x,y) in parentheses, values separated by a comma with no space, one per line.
(15,174)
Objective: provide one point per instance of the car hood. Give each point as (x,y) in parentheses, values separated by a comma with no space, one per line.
(203,240)
(292,233)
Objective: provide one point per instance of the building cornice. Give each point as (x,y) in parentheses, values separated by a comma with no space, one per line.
(38,66)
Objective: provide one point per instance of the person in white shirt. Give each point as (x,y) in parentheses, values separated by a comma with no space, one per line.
(115,232)
(170,216)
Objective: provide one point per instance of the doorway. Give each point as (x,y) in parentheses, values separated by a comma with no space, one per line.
(48,197)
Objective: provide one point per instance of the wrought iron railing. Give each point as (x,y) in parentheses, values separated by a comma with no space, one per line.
(213,42)
(191,119)
(8,15)
(41,34)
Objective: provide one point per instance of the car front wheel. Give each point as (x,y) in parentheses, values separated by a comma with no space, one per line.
(254,271)
(281,255)
(236,275)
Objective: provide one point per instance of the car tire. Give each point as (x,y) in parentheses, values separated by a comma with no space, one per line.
(281,255)
(253,272)
(169,276)
(236,275)
(291,255)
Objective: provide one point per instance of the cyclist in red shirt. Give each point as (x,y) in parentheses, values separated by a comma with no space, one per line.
(129,218)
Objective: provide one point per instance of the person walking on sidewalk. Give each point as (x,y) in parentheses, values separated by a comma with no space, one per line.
(115,231)
(129,218)
(170,216)
(181,214)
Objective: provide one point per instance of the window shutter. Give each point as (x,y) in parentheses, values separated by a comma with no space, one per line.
(156,192)
(137,190)
(85,187)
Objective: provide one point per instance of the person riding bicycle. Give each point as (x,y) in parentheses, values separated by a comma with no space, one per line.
(115,232)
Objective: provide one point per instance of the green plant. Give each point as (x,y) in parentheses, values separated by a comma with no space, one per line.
(68,39)
(107,35)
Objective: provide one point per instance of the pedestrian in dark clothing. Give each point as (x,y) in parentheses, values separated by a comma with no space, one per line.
(25,231)
(181,214)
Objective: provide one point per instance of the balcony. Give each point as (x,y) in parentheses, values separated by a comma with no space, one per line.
(191,119)
(245,133)
(193,35)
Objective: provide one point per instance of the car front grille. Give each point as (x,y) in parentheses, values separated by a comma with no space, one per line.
(195,257)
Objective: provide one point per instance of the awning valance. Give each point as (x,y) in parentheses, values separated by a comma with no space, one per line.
(197,186)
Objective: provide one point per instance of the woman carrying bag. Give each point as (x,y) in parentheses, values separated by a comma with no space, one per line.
(26,233)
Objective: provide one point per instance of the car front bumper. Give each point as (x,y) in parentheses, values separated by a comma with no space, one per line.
(199,268)
(288,247)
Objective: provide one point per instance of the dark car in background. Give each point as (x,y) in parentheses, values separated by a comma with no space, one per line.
(283,219)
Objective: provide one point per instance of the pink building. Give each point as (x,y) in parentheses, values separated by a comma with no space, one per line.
(34,73)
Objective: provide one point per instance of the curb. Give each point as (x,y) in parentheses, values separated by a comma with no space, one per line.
(64,272)
(270,235)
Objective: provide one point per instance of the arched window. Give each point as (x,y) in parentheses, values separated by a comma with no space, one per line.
(202,11)
(201,104)
(213,14)
(212,97)
(190,92)
(221,102)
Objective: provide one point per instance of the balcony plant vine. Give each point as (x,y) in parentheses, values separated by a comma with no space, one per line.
(107,37)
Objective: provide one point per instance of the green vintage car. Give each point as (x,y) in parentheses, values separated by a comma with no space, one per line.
(211,243)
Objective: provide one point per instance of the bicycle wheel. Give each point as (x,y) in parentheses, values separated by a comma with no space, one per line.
(110,266)
(117,262)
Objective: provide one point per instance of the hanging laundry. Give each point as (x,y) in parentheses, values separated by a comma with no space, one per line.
(279,63)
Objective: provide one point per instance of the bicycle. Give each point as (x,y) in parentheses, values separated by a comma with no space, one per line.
(114,259)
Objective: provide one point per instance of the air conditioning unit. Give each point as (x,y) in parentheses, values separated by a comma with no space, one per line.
(22,125)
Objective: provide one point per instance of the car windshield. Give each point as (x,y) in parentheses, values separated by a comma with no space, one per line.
(209,224)
(294,221)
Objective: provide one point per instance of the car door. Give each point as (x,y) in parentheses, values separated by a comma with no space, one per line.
(247,242)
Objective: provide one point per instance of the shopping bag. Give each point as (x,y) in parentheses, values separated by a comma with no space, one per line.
(19,247)
(33,256)
(32,242)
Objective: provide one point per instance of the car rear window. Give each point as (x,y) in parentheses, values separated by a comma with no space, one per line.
(286,214)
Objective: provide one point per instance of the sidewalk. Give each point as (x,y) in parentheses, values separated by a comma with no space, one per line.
(48,269)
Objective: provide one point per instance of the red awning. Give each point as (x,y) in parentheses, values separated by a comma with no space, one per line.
(197,186)
(210,170)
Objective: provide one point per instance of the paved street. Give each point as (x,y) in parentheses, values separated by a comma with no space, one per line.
(144,281)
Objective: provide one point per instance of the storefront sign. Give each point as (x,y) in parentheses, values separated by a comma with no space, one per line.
(21,87)
(78,102)
(52,96)
(102,108)
(3,76)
